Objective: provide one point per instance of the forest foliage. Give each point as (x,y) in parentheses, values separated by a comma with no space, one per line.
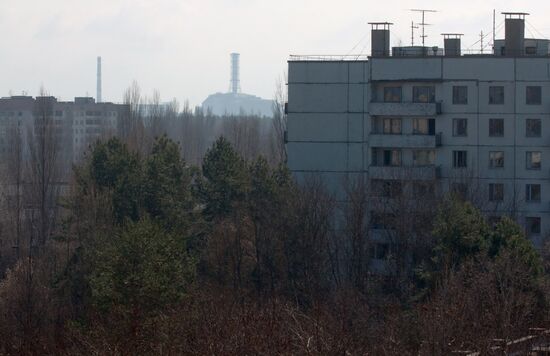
(153,254)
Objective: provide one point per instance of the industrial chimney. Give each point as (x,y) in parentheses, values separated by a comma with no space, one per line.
(235,84)
(98,97)
(380,39)
(514,33)
(452,43)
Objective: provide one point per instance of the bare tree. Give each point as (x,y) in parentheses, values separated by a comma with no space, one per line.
(14,184)
(43,139)
(280,118)
(131,128)
(355,211)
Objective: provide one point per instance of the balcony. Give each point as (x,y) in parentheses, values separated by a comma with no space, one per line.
(405,172)
(405,141)
(404,109)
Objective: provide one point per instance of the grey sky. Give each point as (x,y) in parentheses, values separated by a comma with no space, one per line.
(181,47)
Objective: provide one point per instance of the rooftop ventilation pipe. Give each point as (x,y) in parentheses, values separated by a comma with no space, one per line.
(452,43)
(514,36)
(380,39)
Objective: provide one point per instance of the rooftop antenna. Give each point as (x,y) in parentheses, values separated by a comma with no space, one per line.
(494,29)
(413,27)
(423,23)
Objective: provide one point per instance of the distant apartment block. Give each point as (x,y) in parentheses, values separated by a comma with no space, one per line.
(431,119)
(75,125)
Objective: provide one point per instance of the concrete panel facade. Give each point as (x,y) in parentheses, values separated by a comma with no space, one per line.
(320,127)
(319,157)
(415,68)
(318,72)
(482,69)
(318,98)
(334,107)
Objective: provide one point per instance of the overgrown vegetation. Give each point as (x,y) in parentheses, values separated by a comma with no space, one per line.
(157,257)
(148,253)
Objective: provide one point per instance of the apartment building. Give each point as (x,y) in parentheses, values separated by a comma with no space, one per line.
(73,125)
(430,119)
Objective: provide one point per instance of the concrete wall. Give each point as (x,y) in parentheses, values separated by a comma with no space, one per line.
(327,120)
(332,106)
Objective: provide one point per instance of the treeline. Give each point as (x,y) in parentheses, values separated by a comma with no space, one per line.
(36,172)
(197,129)
(154,255)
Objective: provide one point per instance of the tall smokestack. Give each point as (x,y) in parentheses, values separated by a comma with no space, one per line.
(98,97)
(235,86)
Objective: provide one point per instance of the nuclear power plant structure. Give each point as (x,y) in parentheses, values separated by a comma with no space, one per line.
(235,75)
(98,97)
(235,102)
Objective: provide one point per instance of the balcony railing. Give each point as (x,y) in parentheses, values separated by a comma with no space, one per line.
(405,172)
(405,141)
(404,109)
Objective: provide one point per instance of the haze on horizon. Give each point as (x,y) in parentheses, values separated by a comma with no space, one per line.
(181,47)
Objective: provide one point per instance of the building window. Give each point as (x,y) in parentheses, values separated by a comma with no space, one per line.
(423,157)
(424,127)
(460,127)
(392,94)
(533,159)
(392,127)
(493,220)
(532,225)
(531,50)
(386,188)
(532,193)
(379,251)
(424,189)
(424,94)
(533,95)
(460,189)
(392,189)
(382,221)
(533,127)
(460,159)
(496,192)
(460,95)
(496,127)
(496,95)
(496,159)
(392,158)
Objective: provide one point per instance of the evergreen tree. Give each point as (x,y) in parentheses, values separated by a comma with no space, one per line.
(114,168)
(225,180)
(167,185)
(141,269)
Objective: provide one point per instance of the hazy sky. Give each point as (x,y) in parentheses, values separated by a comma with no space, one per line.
(181,47)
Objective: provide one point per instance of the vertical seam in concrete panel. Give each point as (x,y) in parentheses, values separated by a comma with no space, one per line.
(478,118)
(441,146)
(370,117)
(363,118)
(347,122)
(515,133)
